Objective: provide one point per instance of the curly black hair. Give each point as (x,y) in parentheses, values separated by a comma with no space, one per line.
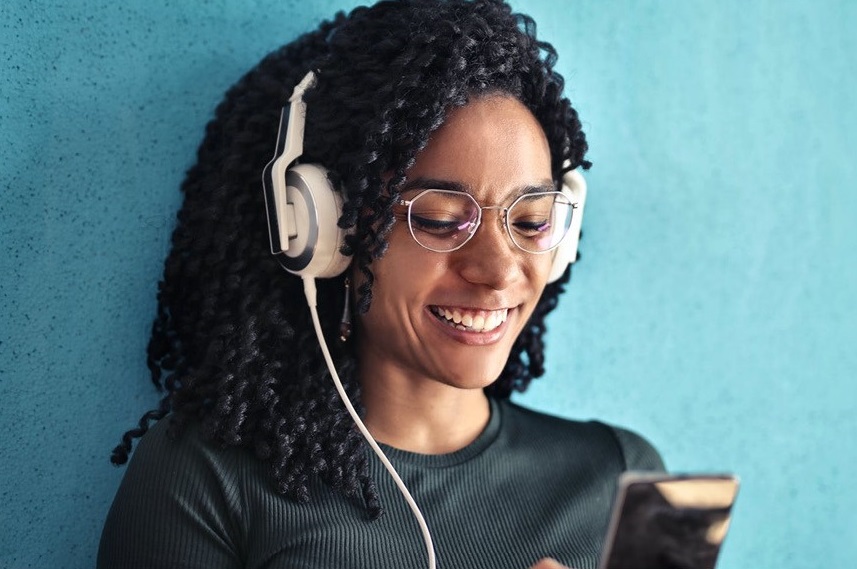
(232,344)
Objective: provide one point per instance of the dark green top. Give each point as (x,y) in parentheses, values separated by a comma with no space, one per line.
(530,486)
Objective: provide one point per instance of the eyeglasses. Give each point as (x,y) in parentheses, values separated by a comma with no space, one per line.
(444,220)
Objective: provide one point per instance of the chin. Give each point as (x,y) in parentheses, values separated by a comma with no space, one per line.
(470,374)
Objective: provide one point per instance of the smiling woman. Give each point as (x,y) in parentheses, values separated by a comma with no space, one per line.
(446,138)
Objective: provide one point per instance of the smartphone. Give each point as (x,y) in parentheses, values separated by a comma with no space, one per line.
(663,521)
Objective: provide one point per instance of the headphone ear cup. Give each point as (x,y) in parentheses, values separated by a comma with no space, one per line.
(302,206)
(315,238)
(573,186)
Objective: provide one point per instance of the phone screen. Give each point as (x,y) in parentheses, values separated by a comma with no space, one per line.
(663,521)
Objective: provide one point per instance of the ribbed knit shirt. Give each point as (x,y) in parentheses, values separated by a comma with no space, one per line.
(530,486)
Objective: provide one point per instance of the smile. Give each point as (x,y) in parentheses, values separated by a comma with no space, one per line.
(471,320)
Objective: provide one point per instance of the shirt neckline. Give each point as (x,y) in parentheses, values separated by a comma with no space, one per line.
(482,442)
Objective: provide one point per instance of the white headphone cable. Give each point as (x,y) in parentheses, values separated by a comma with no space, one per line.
(310,292)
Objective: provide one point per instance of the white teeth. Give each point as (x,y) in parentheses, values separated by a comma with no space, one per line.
(492,321)
(477,323)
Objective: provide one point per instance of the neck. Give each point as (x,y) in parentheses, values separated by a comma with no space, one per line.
(430,418)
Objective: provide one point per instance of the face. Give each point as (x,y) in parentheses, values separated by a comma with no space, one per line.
(494,149)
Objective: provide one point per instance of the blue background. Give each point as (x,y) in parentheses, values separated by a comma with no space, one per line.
(713,310)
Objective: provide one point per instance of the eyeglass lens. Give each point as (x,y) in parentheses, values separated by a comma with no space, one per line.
(442,220)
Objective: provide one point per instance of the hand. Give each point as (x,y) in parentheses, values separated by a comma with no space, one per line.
(548,563)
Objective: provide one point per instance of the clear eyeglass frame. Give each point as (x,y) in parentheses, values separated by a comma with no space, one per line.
(474,225)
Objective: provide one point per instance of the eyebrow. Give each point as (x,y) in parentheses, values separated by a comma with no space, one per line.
(423,183)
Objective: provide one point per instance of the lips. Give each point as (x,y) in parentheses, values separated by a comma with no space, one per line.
(470,320)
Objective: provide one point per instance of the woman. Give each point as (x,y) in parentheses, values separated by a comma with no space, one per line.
(257,463)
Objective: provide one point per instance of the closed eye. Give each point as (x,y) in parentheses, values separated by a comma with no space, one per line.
(435,226)
(532,228)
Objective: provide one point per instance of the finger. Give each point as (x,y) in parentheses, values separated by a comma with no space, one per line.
(549,563)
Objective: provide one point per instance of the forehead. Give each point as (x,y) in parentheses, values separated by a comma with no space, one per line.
(491,147)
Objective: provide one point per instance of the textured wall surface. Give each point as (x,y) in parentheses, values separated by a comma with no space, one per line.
(713,311)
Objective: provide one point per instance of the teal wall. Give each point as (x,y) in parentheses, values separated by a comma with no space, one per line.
(714,308)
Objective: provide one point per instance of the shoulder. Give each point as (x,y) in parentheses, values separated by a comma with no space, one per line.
(185,451)
(167,472)
(549,433)
(179,491)
(639,453)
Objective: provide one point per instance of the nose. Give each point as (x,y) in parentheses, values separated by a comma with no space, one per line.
(490,258)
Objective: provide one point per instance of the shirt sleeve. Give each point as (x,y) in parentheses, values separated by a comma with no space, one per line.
(639,454)
(176,507)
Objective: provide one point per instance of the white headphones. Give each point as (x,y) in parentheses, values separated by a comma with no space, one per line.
(304,209)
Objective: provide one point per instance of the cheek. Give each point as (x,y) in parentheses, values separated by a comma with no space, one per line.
(536,275)
(404,277)
(406,266)
(539,270)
